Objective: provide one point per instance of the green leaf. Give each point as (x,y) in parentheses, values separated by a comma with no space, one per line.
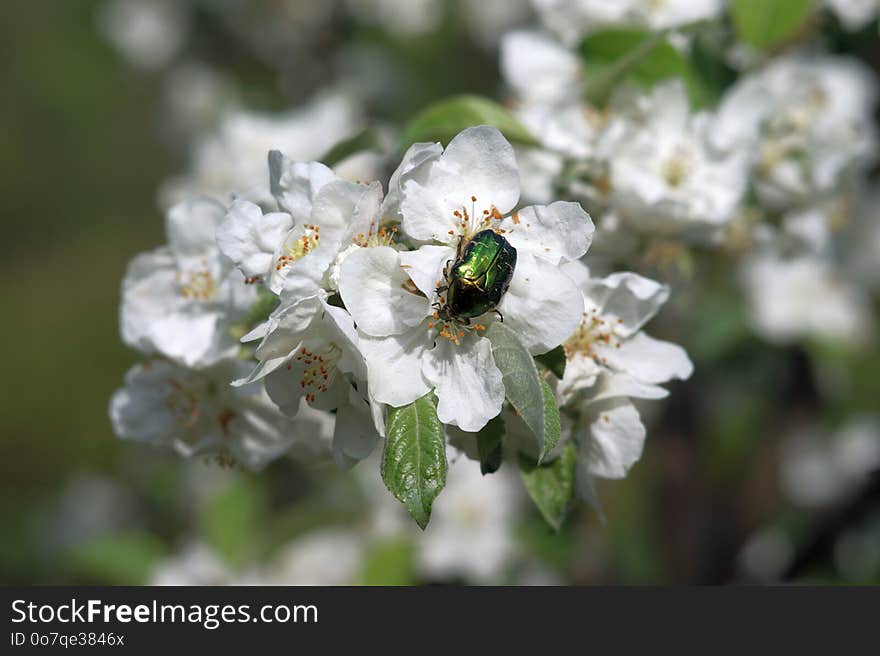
(524,387)
(551,486)
(613,56)
(231,520)
(554,361)
(391,562)
(552,426)
(489,445)
(118,559)
(414,460)
(766,23)
(445,119)
(368,139)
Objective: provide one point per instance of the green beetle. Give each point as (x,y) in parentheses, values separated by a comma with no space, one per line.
(478,278)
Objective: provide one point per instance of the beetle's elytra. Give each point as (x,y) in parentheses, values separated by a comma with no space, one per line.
(478,278)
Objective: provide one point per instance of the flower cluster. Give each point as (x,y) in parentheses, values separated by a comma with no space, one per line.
(345,301)
(454,294)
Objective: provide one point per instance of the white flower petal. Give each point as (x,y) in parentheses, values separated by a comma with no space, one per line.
(139,411)
(619,384)
(542,304)
(155,317)
(296,184)
(615,439)
(283,388)
(394,366)
(373,287)
(647,359)
(425,266)
(628,297)
(478,163)
(468,385)
(339,208)
(355,436)
(414,156)
(288,325)
(191,226)
(559,231)
(250,238)
(537,66)
(581,374)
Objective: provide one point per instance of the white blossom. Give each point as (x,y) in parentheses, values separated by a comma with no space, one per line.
(232,161)
(808,123)
(409,348)
(854,14)
(471,529)
(664,173)
(609,361)
(793,298)
(197,413)
(819,470)
(148,33)
(181,300)
(572,19)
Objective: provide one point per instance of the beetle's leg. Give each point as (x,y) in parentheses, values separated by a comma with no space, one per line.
(498,312)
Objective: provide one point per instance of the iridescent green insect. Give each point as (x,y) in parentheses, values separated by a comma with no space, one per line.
(478,278)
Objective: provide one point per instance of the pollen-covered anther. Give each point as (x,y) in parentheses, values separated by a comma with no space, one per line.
(452,330)
(318,370)
(382,237)
(592,330)
(224,418)
(183,403)
(198,286)
(300,247)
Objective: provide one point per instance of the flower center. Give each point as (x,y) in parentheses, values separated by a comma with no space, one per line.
(183,403)
(299,245)
(381,237)
(197,285)
(317,370)
(452,330)
(467,224)
(676,168)
(592,330)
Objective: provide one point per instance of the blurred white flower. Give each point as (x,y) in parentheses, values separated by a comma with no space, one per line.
(546,78)
(195,564)
(195,96)
(471,529)
(233,160)
(804,296)
(854,14)
(822,470)
(664,173)
(402,18)
(197,412)
(863,240)
(808,122)
(489,20)
(572,19)
(148,33)
(765,555)
(181,300)
(327,556)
